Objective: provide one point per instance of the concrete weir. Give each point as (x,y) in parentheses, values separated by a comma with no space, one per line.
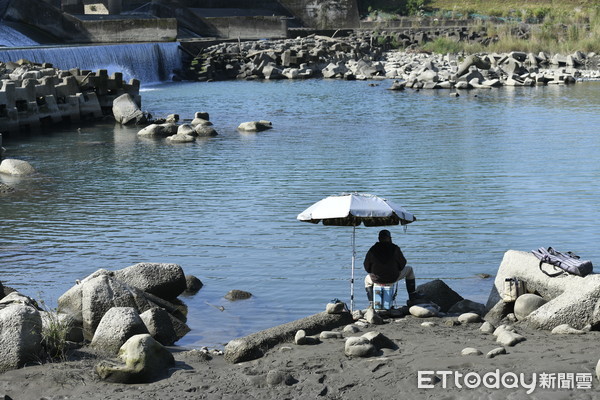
(32,97)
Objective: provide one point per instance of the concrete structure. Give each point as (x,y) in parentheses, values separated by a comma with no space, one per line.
(121,21)
(68,28)
(39,97)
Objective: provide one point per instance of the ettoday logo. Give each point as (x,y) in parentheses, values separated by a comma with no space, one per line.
(504,380)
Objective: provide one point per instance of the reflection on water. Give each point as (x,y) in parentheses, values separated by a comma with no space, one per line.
(511,168)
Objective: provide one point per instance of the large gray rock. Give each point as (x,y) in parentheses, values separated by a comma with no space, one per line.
(380,341)
(439,293)
(11,166)
(163,327)
(469,61)
(205,131)
(91,299)
(526,304)
(166,281)
(465,306)
(18,298)
(145,360)
(255,126)
(20,336)
(117,325)
(253,346)
(571,299)
(126,110)
(358,346)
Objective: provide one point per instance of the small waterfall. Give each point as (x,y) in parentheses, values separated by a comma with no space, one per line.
(148,62)
(12,38)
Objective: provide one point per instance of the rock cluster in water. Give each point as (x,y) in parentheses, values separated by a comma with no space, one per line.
(134,311)
(33,96)
(362,56)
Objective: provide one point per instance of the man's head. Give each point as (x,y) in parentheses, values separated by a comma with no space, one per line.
(385,236)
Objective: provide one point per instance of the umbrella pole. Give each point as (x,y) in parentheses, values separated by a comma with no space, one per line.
(352,278)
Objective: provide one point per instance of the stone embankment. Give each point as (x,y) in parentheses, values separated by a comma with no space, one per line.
(34,96)
(363,55)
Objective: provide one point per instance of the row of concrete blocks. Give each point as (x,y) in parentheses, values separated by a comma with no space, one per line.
(32,99)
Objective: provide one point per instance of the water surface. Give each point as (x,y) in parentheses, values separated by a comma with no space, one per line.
(509,168)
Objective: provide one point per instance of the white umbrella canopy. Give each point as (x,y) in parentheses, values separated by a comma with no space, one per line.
(353,209)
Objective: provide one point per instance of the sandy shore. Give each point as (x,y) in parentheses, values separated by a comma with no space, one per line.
(289,371)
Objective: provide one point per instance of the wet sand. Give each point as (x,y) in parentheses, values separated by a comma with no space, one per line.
(290,371)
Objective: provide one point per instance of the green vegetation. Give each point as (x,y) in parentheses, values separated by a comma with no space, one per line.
(555,27)
(391,9)
(55,329)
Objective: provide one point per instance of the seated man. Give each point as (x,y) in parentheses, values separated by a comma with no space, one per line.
(386,264)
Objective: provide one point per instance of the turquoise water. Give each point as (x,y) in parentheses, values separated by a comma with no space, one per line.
(509,168)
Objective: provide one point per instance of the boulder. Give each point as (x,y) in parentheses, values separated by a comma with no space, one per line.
(469,61)
(469,318)
(572,300)
(202,115)
(192,284)
(398,85)
(152,130)
(172,118)
(301,338)
(163,327)
(145,360)
(526,304)
(10,166)
(373,317)
(205,131)
(507,337)
(166,281)
(255,126)
(126,110)
(471,351)
(116,326)
(565,329)
(181,138)
(439,293)
(90,300)
(234,295)
(380,341)
(159,130)
(466,306)
(424,311)
(186,129)
(495,352)
(487,327)
(359,346)
(18,298)
(331,335)
(335,308)
(20,336)
(351,329)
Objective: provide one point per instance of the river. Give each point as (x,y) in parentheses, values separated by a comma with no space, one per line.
(489,171)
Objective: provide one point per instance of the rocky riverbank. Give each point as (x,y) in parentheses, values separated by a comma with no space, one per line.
(365,56)
(443,346)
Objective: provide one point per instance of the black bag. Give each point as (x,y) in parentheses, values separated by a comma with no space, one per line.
(567,262)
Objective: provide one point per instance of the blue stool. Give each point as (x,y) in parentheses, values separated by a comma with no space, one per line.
(384,296)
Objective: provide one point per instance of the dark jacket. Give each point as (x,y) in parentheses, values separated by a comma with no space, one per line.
(384,261)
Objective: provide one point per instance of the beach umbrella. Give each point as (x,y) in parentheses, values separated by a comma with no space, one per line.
(353,209)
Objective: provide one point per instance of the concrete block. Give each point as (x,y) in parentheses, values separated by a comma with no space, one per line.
(89,106)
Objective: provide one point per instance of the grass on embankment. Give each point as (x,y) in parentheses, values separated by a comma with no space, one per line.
(562,26)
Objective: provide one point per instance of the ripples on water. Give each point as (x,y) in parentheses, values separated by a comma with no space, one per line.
(511,168)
